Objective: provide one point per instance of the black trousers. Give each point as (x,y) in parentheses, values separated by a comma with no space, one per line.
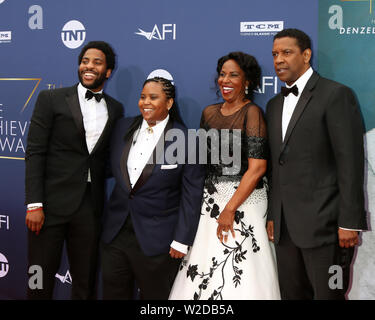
(124,264)
(315,273)
(81,232)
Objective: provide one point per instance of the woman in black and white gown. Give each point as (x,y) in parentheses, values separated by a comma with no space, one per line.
(231,257)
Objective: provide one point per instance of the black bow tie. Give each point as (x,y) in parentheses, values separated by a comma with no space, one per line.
(90,94)
(285,91)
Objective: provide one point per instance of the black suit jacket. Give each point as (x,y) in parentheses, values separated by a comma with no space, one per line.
(317,171)
(165,202)
(57,159)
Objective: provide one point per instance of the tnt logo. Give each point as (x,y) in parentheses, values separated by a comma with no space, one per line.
(167,29)
(73,34)
(4,266)
(161,73)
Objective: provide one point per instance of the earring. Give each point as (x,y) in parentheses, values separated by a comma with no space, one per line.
(247,90)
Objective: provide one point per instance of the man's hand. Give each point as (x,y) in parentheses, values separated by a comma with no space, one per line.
(270,230)
(35,220)
(348,238)
(176,254)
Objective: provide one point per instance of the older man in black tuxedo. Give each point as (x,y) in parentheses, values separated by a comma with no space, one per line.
(316,204)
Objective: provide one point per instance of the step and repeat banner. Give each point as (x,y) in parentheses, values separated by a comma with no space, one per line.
(181,40)
(346,51)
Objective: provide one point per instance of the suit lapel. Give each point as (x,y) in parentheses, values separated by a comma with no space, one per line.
(300,107)
(279,104)
(147,170)
(73,103)
(124,162)
(108,124)
(75,108)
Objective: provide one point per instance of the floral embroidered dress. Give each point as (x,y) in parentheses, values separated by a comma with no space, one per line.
(244,267)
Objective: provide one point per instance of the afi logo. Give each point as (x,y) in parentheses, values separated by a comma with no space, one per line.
(4,222)
(268,82)
(73,34)
(166,29)
(64,279)
(4,266)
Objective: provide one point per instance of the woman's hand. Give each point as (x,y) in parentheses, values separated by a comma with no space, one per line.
(225,222)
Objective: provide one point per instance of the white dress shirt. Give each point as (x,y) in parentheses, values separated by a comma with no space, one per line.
(95,116)
(290,103)
(144,143)
(291,100)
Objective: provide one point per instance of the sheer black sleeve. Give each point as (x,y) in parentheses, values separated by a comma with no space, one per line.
(256,133)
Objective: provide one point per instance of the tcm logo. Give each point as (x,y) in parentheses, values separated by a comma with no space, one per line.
(64,279)
(261,27)
(166,30)
(4,266)
(161,73)
(73,34)
(4,222)
(5,36)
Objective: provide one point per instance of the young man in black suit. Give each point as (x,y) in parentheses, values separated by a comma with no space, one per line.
(67,148)
(316,204)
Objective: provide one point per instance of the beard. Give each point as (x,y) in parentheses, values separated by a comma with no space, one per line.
(96,84)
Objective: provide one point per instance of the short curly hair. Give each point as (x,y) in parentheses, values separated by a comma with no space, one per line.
(248,64)
(104,47)
(303,40)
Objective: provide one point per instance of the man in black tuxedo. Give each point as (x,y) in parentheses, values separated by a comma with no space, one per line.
(67,149)
(316,204)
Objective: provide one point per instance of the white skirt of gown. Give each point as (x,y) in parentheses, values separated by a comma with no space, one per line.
(244,267)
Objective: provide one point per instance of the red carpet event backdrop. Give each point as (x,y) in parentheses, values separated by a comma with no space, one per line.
(180,40)
(346,49)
